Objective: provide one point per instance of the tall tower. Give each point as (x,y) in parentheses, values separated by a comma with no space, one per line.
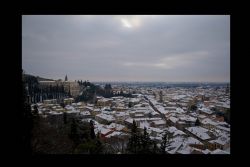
(66,78)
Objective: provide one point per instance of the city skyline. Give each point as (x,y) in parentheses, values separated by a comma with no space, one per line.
(127,48)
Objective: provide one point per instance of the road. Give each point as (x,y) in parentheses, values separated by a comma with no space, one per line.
(155,109)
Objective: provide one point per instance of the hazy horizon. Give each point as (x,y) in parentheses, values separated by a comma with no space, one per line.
(107,81)
(124,48)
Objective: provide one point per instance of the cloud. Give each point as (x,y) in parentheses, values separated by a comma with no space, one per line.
(123,47)
(172,61)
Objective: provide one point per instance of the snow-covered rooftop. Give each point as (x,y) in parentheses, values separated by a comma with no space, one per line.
(187,118)
(157,130)
(221,140)
(173,119)
(54,113)
(85,113)
(73,111)
(185,149)
(223,128)
(179,110)
(206,110)
(200,132)
(175,131)
(191,140)
(115,133)
(219,151)
(104,131)
(106,117)
(116,126)
(144,124)
(209,121)
(159,122)
(202,116)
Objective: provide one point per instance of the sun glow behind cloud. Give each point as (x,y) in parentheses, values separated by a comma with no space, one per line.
(131,22)
(125,23)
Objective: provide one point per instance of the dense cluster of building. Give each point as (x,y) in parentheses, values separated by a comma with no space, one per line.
(160,111)
(69,86)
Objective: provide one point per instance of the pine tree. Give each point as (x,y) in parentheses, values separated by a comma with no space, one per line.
(155,148)
(197,122)
(130,104)
(164,143)
(92,128)
(193,107)
(27,122)
(69,94)
(35,110)
(99,145)
(64,118)
(108,90)
(145,142)
(134,140)
(73,133)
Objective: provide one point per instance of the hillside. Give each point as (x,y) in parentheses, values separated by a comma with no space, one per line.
(37,77)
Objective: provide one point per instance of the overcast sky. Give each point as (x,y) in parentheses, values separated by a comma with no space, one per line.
(127,48)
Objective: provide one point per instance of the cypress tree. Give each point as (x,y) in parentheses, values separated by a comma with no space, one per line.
(27,122)
(134,141)
(73,132)
(145,142)
(92,132)
(35,110)
(64,118)
(164,143)
(197,122)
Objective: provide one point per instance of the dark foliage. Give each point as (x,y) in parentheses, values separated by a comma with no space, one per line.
(197,122)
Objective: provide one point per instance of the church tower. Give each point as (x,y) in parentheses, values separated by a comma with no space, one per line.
(66,78)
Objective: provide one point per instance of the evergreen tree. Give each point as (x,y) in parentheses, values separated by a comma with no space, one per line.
(35,110)
(73,132)
(145,142)
(64,117)
(226,116)
(69,94)
(108,90)
(197,122)
(164,143)
(130,104)
(155,148)
(92,128)
(134,140)
(27,122)
(62,89)
(90,147)
(99,145)
(193,107)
